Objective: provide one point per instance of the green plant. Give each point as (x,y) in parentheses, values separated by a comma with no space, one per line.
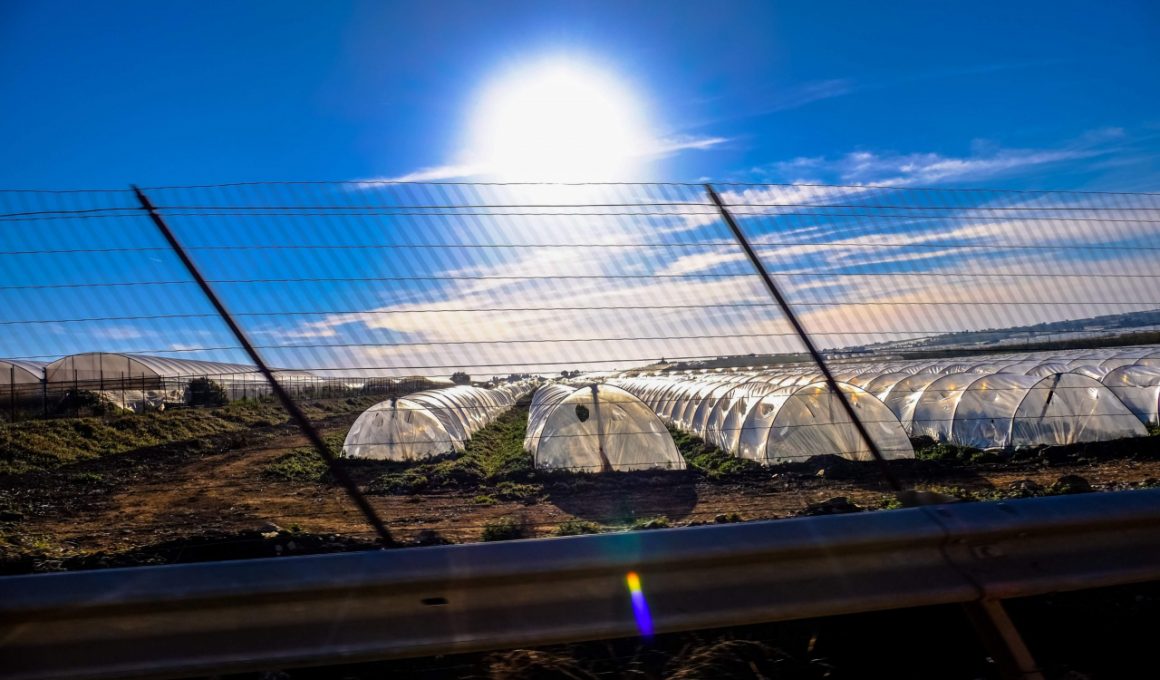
(299,465)
(205,392)
(85,403)
(506,528)
(643,523)
(951,453)
(709,460)
(484,499)
(577,527)
(514,491)
(398,483)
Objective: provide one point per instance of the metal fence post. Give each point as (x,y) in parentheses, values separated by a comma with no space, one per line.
(295,412)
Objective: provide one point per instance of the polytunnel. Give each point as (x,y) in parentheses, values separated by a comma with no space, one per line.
(1006,409)
(794,423)
(109,368)
(597,428)
(1139,388)
(425,424)
(20,372)
(904,396)
(724,428)
(933,411)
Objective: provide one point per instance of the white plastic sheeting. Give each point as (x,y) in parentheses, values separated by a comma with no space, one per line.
(982,401)
(1139,388)
(595,428)
(773,418)
(795,423)
(19,372)
(1009,409)
(428,423)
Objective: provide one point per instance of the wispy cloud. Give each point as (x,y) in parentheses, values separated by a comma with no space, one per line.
(657,147)
(808,93)
(890,168)
(434,173)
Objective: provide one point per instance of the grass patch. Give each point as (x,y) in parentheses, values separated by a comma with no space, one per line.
(40,445)
(299,465)
(709,460)
(495,455)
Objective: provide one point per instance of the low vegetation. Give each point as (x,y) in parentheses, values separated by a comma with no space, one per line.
(577,527)
(506,528)
(709,460)
(495,456)
(42,445)
(660,522)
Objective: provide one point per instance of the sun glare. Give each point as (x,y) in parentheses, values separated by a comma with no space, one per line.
(559,121)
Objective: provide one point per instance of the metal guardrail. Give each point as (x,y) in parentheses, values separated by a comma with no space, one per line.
(229,616)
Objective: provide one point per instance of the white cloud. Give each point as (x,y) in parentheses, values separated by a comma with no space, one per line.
(652,149)
(430,174)
(986,161)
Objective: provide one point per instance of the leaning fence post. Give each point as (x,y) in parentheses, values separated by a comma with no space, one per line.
(296,414)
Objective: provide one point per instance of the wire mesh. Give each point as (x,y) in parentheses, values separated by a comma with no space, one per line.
(363,292)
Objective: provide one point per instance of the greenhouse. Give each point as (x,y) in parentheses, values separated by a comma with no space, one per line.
(597,428)
(794,423)
(425,424)
(137,381)
(108,369)
(1139,388)
(20,373)
(1008,409)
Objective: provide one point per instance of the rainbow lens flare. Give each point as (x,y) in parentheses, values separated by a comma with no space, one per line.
(639,605)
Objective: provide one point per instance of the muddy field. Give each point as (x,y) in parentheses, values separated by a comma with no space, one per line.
(237,482)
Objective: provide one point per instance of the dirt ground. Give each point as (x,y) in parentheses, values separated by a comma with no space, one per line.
(116,504)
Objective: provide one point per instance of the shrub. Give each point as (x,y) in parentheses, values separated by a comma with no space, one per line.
(506,528)
(659,522)
(460,378)
(85,403)
(205,392)
(514,491)
(577,527)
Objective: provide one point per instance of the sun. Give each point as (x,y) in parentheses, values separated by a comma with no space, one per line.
(558,121)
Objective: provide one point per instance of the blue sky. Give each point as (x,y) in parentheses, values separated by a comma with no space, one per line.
(104,94)
(1057,96)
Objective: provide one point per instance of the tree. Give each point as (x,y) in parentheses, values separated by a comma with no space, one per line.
(205,392)
(460,378)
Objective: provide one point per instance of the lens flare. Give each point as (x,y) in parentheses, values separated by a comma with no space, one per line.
(639,605)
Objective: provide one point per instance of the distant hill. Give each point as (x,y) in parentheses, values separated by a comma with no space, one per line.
(1131,328)
(1056,333)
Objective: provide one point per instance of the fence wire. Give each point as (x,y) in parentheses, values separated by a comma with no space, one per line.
(364,291)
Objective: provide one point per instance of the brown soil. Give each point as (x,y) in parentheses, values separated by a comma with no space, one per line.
(118,503)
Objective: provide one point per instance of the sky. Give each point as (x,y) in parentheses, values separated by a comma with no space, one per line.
(1025,96)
